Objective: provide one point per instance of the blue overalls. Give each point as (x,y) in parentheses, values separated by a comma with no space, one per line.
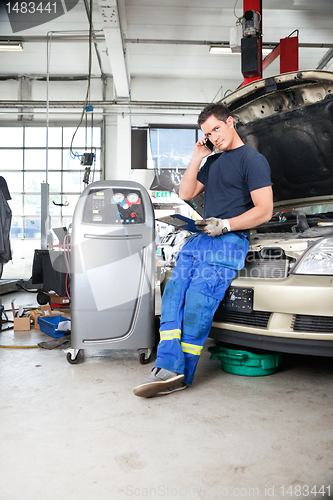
(204,270)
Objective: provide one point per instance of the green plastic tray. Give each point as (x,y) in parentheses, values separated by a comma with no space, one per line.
(246,363)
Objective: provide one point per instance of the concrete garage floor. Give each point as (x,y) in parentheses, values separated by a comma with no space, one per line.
(78,432)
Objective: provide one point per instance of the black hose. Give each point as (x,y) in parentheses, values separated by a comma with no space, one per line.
(26,290)
(302,223)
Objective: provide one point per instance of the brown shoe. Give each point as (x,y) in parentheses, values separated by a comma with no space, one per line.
(169,390)
(159,380)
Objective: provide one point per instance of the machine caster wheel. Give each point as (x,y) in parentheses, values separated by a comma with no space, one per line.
(74,356)
(43,299)
(145,356)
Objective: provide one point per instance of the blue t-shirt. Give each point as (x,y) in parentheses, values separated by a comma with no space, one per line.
(229,177)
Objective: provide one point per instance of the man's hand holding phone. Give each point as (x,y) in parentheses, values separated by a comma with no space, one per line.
(190,186)
(203,148)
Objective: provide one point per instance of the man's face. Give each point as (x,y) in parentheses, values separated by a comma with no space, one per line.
(221,134)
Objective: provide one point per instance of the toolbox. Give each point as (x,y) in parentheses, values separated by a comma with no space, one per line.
(50,324)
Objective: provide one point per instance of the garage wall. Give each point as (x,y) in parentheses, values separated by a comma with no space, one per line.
(179,89)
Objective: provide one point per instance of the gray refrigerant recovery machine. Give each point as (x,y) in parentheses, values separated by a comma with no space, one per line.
(113,270)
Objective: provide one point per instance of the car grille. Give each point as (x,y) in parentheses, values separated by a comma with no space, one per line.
(304,323)
(258,319)
(264,268)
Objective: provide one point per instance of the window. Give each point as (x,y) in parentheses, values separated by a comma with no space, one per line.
(24,156)
(170,151)
(171,147)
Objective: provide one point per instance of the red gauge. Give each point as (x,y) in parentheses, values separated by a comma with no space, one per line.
(133,198)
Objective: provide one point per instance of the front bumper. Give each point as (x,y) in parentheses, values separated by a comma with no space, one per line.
(292,312)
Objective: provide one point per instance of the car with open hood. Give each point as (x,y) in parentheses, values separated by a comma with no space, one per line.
(282,299)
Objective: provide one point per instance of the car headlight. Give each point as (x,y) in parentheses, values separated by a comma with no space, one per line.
(318,259)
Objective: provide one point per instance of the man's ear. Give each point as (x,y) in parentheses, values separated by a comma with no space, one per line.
(230,121)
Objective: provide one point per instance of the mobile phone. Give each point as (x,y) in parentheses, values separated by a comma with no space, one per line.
(209,145)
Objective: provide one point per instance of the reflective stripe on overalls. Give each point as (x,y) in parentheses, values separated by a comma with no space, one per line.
(204,270)
(170,334)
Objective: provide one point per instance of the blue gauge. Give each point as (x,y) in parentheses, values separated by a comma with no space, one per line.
(118,198)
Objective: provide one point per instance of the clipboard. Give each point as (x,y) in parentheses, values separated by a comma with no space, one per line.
(181,222)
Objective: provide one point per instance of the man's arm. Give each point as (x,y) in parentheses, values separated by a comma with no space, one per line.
(190,187)
(261,212)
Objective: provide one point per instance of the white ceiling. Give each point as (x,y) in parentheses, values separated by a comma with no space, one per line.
(185,27)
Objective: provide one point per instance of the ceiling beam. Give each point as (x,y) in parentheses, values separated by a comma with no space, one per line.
(266,45)
(115,49)
(98,36)
(116,104)
(326,59)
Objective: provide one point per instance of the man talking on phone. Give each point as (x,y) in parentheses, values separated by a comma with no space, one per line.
(237,196)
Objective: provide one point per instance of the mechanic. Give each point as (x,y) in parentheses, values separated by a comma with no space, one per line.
(237,196)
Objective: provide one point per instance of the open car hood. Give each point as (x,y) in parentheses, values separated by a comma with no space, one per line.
(289,119)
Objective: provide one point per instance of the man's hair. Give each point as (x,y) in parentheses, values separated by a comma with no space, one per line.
(219,110)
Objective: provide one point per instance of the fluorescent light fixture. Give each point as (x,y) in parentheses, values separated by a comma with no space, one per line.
(217,49)
(11,46)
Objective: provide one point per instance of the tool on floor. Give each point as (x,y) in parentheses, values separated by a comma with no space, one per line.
(4,319)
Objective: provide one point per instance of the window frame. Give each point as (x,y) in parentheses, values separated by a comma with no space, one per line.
(59,196)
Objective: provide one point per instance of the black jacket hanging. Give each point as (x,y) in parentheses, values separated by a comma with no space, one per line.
(4,188)
(5,223)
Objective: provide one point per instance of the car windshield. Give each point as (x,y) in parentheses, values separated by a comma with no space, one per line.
(314,211)
(319,209)
(298,220)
